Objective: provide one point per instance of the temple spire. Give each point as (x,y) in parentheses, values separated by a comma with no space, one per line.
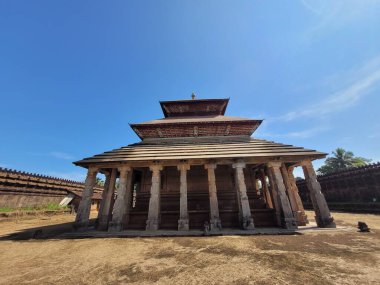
(193,96)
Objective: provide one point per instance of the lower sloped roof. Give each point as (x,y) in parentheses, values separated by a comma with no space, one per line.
(206,150)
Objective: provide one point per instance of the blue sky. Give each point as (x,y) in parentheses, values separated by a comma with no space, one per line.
(74,74)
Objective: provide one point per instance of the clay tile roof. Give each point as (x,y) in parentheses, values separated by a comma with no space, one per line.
(251,148)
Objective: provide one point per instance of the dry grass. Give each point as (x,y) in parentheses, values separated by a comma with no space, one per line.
(338,257)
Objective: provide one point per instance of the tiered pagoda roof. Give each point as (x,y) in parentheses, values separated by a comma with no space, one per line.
(198,129)
(195,118)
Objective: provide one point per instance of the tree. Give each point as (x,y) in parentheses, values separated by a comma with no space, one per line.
(341,160)
(99,181)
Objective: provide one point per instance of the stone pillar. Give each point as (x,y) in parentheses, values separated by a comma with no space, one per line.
(322,211)
(287,220)
(83,215)
(275,199)
(183,222)
(123,200)
(246,216)
(104,194)
(265,189)
(254,184)
(153,221)
(105,211)
(298,215)
(301,216)
(215,222)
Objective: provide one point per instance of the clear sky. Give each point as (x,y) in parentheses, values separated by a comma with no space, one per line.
(74,74)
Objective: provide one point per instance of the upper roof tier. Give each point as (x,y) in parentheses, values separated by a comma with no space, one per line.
(195,118)
(195,107)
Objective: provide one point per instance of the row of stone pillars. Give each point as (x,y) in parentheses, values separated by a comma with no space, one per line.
(281,194)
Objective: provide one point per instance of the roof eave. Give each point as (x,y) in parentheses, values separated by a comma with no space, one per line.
(162,103)
(258,122)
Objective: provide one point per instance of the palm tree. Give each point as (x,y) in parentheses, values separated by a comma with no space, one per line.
(342,160)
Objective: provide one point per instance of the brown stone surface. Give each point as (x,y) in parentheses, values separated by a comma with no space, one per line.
(22,189)
(325,257)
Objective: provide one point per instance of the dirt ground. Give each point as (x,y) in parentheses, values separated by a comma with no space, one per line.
(327,257)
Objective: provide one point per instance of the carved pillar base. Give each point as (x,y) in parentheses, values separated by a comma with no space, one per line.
(102,224)
(183,225)
(301,218)
(289,223)
(215,224)
(81,226)
(247,223)
(152,224)
(325,223)
(115,227)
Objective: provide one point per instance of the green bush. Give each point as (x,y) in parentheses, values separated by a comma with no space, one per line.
(6,210)
(48,207)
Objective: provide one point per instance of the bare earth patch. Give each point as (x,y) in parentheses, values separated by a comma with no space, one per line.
(329,257)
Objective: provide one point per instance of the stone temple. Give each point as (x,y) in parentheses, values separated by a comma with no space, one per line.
(199,169)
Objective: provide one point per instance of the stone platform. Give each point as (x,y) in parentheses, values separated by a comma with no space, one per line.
(92,233)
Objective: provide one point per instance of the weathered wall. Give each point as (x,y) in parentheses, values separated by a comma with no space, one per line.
(354,189)
(24,200)
(20,189)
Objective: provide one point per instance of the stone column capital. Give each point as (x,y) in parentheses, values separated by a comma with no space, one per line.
(210,166)
(92,170)
(156,168)
(124,168)
(274,164)
(183,167)
(239,164)
(308,169)
(306,162)
(291,168)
